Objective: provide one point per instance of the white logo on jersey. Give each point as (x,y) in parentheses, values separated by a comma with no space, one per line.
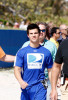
(35,60)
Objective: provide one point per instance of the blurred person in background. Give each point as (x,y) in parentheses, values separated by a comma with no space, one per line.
(47,33)
(7,24)
(67,31)
(48,29)
(49,26)
(21,25)
(16,25)
(24,24)
(55,34)
(64,33)
(1,24)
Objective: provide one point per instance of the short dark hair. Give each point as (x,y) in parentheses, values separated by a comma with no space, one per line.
(32,26)
(53,30)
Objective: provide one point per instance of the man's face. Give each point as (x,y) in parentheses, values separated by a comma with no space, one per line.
(33,35)
(42,32)
(64,30)
(57,33)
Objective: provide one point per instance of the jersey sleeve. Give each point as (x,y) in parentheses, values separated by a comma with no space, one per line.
(59,58)
(2,53)
(18,60)
(49,61)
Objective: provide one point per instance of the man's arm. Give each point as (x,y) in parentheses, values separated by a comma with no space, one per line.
(5,57)
(54,77)
(8,58)
(17,72)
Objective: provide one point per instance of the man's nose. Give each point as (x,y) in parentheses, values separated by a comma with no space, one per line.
(33,34)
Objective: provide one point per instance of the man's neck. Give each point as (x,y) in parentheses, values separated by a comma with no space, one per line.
(54,38)
(34,45)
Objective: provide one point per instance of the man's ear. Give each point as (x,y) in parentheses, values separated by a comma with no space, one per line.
(54,34)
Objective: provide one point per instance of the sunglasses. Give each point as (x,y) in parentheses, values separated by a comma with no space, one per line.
(43,30)
(59,33)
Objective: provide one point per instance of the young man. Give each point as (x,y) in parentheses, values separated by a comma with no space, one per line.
(33,60)
(47,44)
(6,58)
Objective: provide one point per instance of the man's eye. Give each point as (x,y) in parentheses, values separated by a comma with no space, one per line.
(36,33)
(31,33)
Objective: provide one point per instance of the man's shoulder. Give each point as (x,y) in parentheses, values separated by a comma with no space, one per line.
(25,44)
(45,50)
(49,43)
(64,43)
(22,50)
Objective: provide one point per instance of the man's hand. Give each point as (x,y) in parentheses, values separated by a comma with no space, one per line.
(23,84)
(53,95)
(17,72)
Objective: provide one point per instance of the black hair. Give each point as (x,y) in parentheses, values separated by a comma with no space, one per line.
(32,26)
(53,30)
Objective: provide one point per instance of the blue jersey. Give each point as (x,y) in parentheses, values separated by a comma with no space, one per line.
(33,61)
(48,45)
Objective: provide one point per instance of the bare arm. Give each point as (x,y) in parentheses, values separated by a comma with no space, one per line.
(8,58)
(54,77)
(17,72)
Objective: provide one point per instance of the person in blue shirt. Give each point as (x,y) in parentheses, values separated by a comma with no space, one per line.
(30,64)
(47,44)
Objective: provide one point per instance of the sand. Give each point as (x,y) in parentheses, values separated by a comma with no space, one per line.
(9,86)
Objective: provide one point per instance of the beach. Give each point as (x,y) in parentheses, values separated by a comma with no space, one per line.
(9,86)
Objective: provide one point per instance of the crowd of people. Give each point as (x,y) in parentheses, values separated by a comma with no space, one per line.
(41,62)
(16,25)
